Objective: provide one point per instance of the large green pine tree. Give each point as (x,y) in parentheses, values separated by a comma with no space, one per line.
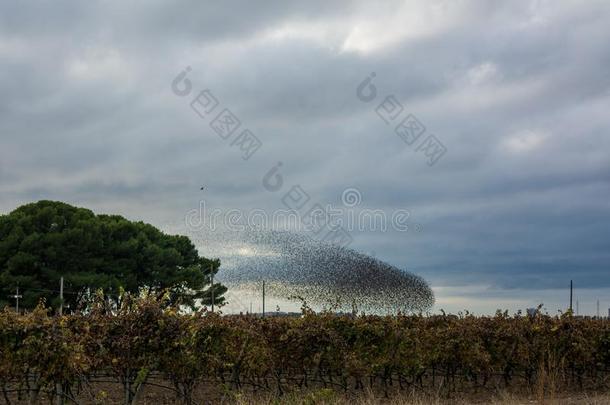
(43,241)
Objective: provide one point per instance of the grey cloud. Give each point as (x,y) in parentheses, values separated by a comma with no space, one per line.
(517,92)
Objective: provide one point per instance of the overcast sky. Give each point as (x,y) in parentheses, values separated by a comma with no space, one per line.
(517,92)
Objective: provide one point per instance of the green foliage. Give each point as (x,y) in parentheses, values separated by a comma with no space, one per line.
(43,241)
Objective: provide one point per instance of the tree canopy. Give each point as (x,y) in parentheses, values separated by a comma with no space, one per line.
(44,241)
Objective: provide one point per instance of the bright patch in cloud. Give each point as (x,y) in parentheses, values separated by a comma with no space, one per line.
(98,63)
(484,73)
(409,21)
(525,141)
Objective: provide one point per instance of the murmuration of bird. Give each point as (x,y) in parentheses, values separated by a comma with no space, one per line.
(321,273)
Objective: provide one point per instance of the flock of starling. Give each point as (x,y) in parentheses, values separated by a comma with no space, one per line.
(320,273)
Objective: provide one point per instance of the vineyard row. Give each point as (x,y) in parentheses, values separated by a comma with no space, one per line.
(143,340)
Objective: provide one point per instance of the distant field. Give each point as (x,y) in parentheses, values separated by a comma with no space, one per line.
(145,353)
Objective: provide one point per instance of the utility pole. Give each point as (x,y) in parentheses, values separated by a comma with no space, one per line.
(17,296)
(570,295)
(597,309)
(576,307)
(61,296)
(212,288)
(58,386)
(263,298)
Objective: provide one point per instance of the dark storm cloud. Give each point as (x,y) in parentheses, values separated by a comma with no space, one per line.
(517,92)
